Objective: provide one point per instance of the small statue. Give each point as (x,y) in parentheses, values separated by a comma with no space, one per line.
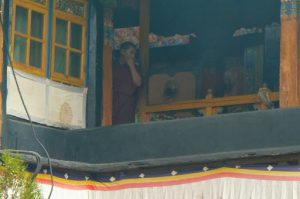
(264,96)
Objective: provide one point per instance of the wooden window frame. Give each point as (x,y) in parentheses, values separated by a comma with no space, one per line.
(43,9)
(70,18)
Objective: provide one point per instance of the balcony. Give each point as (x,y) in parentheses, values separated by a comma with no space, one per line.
(185,141)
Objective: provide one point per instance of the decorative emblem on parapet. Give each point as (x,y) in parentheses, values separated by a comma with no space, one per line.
(112,179)
(270,167)
(205,169)
(142,175)
(290,7)
(66,176)
(174,173)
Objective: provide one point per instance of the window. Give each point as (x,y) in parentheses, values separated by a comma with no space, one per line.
(30,39)
(68,52)
(29,32)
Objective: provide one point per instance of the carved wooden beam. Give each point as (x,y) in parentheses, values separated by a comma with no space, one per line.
(290,54)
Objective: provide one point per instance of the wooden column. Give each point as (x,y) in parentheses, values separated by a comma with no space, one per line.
(107,67)
(144,52)
(290,54)
(92,110)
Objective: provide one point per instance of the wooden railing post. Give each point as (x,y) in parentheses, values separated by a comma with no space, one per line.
(264,95)
(209,110)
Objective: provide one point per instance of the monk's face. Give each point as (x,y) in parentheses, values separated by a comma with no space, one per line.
(128,54)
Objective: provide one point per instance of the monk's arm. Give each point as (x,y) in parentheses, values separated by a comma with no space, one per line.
(136,77)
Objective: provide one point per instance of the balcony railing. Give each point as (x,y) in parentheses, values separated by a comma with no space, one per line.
(210,104)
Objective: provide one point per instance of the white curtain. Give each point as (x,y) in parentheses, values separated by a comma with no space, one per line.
(223,188)
(48,102)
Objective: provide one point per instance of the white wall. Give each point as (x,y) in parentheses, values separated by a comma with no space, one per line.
(48,102)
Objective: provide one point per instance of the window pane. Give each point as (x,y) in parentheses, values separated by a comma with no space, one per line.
(60,60)
(75,63)
(76,36)
(20,49)
(21,20)
(37,24)
(61,31)
(36,54)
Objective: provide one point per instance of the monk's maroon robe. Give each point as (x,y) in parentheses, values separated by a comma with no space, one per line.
(124,95)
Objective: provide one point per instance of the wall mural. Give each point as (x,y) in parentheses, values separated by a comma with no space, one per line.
(132,34)
(70,6)
(290,7)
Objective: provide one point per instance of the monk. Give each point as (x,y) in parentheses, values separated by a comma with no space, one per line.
(126,81)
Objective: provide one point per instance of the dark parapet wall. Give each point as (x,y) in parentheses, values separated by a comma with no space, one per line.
(193,140)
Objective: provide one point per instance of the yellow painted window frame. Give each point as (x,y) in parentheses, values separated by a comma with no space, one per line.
(43,9)
(70,18)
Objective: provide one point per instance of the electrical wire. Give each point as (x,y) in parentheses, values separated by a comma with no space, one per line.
(5,49)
